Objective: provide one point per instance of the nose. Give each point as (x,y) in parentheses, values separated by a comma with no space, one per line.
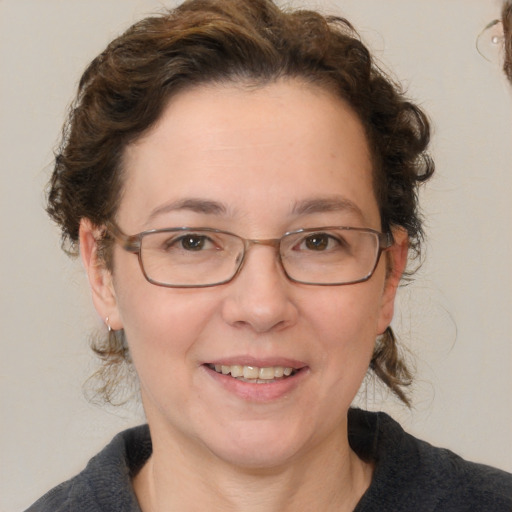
(261,296)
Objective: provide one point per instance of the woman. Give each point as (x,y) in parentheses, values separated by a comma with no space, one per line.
(241,185)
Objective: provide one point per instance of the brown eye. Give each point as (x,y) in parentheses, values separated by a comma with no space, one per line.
(193,242)
(318,242)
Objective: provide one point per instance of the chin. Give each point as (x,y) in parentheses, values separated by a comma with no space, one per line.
(258,458)
(259,446)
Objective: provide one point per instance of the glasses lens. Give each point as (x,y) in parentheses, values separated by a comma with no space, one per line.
(330,256)
(181,257)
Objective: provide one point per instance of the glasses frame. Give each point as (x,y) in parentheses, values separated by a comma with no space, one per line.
(133,244)
(491,34)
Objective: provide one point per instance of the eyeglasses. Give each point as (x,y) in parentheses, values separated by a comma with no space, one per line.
(490,40)
(201,257)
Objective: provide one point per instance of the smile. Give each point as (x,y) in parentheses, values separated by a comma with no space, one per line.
(254,374)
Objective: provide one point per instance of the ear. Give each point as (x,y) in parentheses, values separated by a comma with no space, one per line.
(100,278)
(396,263)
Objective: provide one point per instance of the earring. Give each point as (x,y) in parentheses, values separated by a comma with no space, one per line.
(108,325)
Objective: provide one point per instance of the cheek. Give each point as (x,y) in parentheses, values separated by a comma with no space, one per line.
(346,325)
(159,321)
(351,313)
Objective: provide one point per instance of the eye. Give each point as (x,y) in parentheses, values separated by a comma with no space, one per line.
(189,242)
(320,242)
(193,242)
(317,242)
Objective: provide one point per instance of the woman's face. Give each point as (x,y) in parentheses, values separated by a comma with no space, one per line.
(258,163)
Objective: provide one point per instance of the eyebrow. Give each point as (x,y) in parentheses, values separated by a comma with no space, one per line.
(205,206)
(305,207)
(326,204)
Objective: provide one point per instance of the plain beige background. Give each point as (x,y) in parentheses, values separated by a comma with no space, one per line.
(456,317)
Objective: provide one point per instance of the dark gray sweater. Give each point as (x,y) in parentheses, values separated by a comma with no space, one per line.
(410,475)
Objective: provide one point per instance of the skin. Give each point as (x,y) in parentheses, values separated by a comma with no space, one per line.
(273,159)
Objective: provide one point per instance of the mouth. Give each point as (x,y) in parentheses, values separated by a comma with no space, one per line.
(255,374)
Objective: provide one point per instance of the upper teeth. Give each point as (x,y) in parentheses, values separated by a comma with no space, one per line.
(254,372)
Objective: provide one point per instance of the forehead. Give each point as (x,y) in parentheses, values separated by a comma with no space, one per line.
(275,145)
(205,110)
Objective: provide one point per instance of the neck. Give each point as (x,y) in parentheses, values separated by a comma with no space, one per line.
(329,478)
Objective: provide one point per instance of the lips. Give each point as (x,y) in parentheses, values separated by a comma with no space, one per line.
(254,374)
(257,380)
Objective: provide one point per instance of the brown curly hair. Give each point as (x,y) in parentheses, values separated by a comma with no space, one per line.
(506,20)
(124,90)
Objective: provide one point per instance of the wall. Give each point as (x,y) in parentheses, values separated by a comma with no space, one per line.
(456,317)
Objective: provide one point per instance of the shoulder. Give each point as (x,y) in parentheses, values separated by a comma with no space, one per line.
(105,483)
(462,485)
(411,474)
